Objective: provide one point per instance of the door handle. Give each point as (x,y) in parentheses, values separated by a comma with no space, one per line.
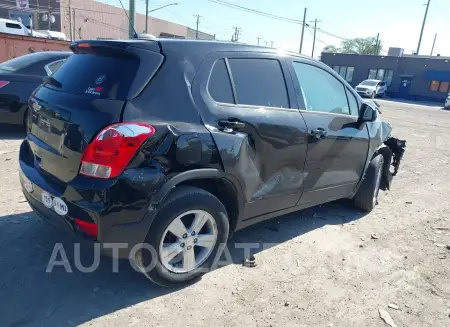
(231,124)
(319,133)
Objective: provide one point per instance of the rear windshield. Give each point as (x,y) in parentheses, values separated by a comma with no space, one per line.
(97,76)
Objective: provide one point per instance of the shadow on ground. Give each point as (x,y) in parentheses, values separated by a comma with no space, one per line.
(32,297)
(12,132)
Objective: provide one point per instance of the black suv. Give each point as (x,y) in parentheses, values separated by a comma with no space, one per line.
(174,144)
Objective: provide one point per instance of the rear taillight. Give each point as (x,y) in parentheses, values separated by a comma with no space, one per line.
(113,148)
(3,83)
(86,227)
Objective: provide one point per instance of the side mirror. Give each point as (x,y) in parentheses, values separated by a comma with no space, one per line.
(367,113)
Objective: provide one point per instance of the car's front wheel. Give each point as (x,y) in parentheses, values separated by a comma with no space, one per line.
(373,95)
(187,236)
(367,196)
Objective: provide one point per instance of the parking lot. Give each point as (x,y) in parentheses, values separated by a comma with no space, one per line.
(326,266)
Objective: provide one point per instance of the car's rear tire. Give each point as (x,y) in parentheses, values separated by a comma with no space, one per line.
(180,259)
(367,196)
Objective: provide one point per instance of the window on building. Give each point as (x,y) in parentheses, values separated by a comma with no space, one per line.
(381,74)
(434,86)
(321,91)
(349,75)
(444,87)
(259,82)
(345,72)
(219,85)
(437,86)
(388,77)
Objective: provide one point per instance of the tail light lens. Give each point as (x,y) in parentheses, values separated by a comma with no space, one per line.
(3,83)
(113,148)
(86,227)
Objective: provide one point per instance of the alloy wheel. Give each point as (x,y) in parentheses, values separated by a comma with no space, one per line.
(188,241)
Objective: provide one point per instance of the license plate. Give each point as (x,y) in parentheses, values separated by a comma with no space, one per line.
(56,203)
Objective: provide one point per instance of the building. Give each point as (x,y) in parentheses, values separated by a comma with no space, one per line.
(421,78)
(89,19)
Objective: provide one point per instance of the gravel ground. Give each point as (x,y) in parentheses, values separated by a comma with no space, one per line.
(321,267)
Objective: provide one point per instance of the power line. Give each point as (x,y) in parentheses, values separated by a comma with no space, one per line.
(256,12)
(276,17)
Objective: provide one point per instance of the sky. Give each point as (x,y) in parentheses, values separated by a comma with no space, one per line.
(398,21)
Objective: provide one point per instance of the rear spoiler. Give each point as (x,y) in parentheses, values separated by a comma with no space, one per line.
(91,45)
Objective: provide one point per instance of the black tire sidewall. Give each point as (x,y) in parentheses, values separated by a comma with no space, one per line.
(184,199)
(364,198)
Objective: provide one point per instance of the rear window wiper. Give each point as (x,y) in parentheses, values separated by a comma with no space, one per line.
(52,81)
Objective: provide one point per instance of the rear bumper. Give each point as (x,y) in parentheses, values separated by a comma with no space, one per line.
(120,208)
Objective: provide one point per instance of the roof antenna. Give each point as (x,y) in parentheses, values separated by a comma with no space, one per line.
(135,35)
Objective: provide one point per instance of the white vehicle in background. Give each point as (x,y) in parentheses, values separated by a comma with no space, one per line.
(372,88)
(13,27)
(54,35)
(17,28)
(447,102)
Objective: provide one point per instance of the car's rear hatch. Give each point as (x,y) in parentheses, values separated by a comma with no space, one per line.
(86,94)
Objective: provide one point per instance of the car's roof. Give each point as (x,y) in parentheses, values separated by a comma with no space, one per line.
(373,80)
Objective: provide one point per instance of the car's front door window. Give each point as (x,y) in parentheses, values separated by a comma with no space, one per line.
(321,91)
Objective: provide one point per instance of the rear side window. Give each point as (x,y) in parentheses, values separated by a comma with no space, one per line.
(219,85)
(259,82)
(53,66)
(97,76)
(15,26)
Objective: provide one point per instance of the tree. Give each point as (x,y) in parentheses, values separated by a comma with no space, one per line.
(331,48)
(365,46)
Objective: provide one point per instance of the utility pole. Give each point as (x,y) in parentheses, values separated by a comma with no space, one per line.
(259,38)
(74,23)
(434,42)
(314,38)
(376,44)
(49,14)
(196,30)
(70,22)
(146,16)
(423,27)
(132,17)
(303,31)
(237,32)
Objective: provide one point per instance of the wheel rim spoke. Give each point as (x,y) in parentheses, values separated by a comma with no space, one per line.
(189,259)
(177,228)
(184,248)
(199,221)
(206,240)
(171,251)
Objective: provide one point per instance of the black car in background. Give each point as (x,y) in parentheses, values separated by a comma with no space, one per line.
(171,145)
(19,77)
